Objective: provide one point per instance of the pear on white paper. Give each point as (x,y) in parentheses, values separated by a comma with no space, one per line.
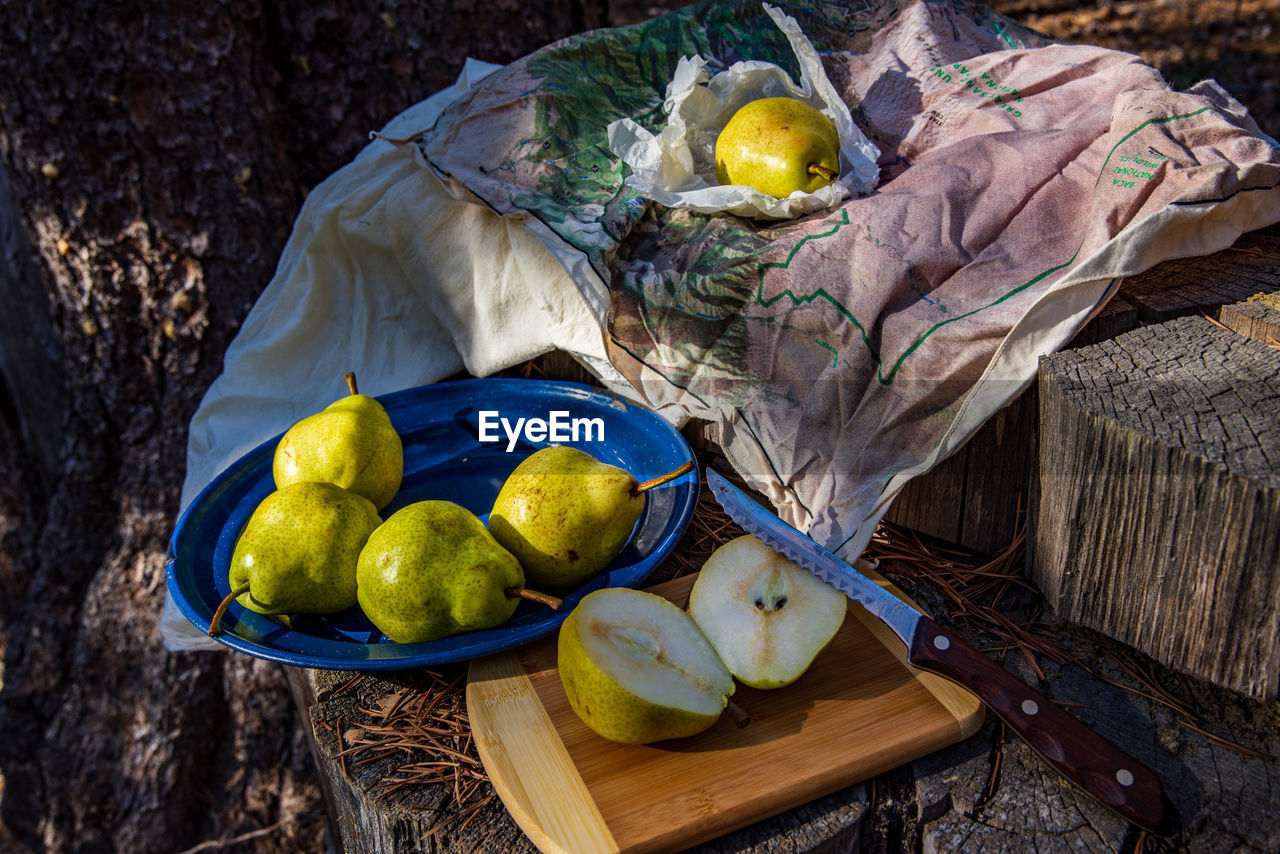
(766,616)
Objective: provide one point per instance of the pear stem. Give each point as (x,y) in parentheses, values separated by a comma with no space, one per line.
(350,377)
(819,169)
(215,627)
(661,479)
(547,599)
(740,716)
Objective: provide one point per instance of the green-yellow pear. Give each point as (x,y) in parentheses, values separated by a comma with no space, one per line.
(778,146)
(636,669)
(297,553)
(350,443)
(766,616)
(567,515)
(433,570)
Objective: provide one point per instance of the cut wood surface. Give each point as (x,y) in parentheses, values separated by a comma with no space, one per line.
(858,711)
(1159,497)
(1258,318)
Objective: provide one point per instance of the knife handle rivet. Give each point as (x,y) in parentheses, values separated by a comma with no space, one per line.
(1030,707)
(941,642)
(1124,777)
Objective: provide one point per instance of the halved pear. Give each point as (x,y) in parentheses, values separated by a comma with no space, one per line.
(637,670)
(766,616)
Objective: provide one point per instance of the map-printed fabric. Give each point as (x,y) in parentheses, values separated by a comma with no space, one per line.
(844,352)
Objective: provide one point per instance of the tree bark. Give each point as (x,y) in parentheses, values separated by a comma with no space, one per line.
(152,160)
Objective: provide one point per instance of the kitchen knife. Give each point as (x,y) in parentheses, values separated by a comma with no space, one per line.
(1097,766)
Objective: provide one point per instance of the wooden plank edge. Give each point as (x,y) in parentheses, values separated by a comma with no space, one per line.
(540,786)
(965,707)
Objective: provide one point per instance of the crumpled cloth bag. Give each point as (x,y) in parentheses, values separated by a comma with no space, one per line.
(840,354)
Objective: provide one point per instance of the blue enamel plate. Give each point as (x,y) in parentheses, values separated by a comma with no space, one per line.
(455,448)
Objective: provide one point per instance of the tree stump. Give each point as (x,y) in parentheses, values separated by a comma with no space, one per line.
(1159,497)
(1192,286)
(374,760)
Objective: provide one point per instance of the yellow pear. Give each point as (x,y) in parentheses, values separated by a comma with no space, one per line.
(566,515)
(350,443)
(778,146)
(433,570)
(297,553)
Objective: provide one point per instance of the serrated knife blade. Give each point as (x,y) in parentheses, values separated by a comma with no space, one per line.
(787,541)
(1098,767)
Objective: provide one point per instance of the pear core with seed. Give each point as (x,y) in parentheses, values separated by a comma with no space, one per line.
(766,616)
(636,669)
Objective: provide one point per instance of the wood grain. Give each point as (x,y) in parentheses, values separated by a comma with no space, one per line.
(979,497)
(997,477)
(533,774)
(1254,318)
(964,706)
(857,712)
(1159,497)
(1198,285)
(933,503)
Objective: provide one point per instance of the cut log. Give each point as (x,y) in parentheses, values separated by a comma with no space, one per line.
(1258,318)
(1159,497)
(373,760)
(933,503)
(1199,285)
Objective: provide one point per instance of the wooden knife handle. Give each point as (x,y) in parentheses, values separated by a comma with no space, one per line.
(1097,766)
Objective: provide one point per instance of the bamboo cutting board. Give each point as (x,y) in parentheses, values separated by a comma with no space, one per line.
(858,711)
